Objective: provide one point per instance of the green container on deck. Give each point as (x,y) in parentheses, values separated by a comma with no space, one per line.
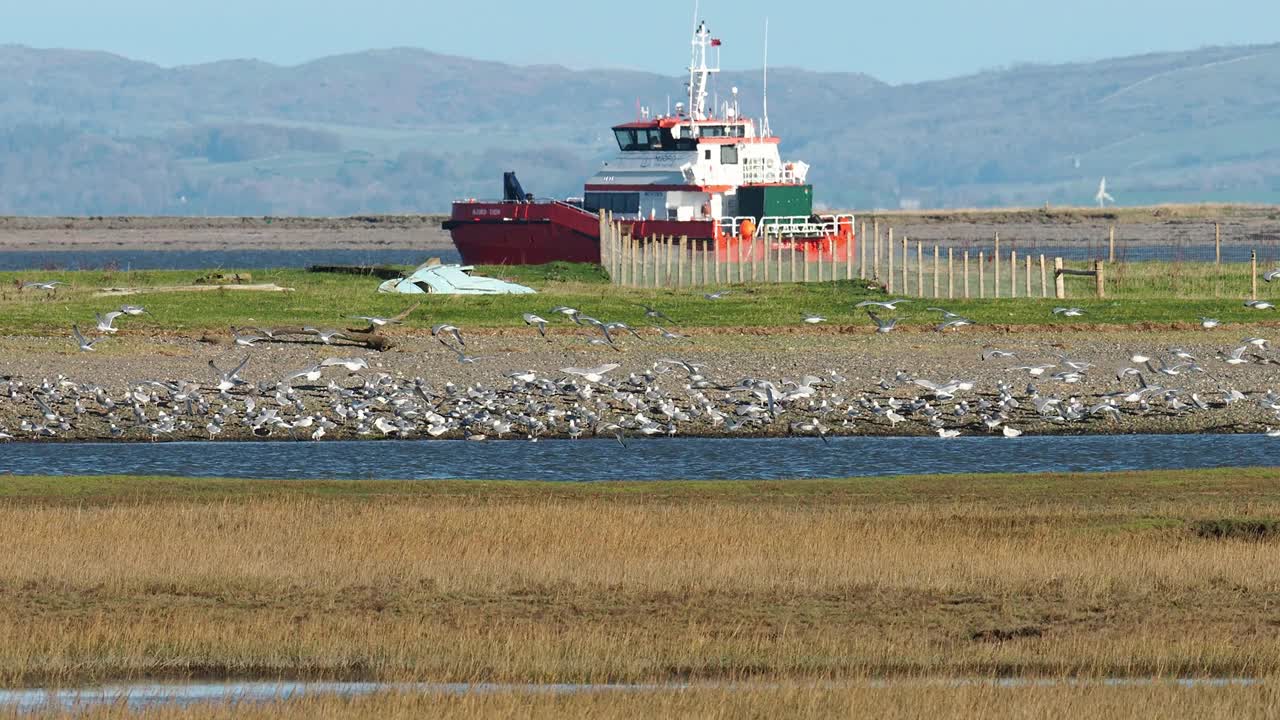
(759,201)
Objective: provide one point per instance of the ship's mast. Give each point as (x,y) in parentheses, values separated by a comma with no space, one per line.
(700,72)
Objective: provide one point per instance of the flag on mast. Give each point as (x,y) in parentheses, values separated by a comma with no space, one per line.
(715,42)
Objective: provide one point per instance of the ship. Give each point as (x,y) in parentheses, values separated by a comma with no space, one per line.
(703,172)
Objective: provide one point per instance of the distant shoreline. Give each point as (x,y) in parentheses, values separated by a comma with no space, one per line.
(186,234)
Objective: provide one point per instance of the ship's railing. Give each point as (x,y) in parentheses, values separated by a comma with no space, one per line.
(790,226)
(759,171)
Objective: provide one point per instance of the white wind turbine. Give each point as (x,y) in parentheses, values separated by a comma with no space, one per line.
(1103,196)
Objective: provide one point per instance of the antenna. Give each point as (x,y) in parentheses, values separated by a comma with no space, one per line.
(764,129)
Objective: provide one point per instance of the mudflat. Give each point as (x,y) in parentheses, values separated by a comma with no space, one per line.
(70,234)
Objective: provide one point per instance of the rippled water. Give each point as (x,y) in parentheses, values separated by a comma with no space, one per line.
(140,696)
(641,459)
(212,259)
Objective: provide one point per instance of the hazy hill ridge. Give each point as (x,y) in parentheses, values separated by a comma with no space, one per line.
(404,130)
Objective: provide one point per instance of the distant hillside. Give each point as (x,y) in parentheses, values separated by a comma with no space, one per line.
(406,130)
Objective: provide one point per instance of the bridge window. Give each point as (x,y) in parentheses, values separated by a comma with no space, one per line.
(728,154)
(630,139)
(619,203)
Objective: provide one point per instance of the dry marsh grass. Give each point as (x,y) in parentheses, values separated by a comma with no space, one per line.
(1068,575)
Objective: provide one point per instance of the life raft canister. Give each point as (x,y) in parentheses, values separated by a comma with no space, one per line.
(748,228)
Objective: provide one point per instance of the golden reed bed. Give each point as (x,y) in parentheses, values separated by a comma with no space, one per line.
(1077,575)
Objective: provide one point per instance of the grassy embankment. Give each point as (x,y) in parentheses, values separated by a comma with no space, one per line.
(328,300)
(1133,574)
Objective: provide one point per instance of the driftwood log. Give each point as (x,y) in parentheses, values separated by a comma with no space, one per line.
(368,337)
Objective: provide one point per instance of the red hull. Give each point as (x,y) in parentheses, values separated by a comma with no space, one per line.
(534,233)
(514,233)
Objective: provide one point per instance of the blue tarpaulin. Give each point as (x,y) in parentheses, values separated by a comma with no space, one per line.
(451,280)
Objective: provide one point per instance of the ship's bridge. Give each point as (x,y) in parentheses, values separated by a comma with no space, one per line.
(679,168)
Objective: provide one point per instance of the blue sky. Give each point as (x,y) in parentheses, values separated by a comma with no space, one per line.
(894,41)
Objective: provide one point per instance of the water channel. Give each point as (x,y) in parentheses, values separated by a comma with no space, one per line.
(641,459)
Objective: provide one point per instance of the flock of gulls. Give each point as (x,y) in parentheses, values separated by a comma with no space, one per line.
(344,397)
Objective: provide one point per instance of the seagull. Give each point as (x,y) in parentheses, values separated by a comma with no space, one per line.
(535,320)
(946,314)
(1236,356)
(1139,358)
(1259,305)
(716,295)
(1034,370)
(1271,275)
(1068,311)
(1209,323)
(669,335)
(85,344)
(351,364)
(1010,432)
(447,328)
(882,326)
(50,285)
(244,340)
(591,375)
(944,433)
(231,379)
(888,305)
(310,374)
(326,336)
(375,321)
(1256,341)
(133,310)
(812,319)
(564,310)
(104,321)
(992,354)
(656,314)
(958,322)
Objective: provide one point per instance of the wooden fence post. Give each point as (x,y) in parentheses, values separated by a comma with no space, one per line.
(936,271)
(1028,276)
(889,278)
(1099,278)
(951,273)
(966,274)
(1111,245)
(919,269)
(794,276)
(1059,282)
(996,277)
(657,260)
(848,255)
(906,285)
(680,263)
(605,260)
(1044,279)
(1253,274)
(982,274)
(804,260)
(875,256)
(862,253)
(1013,273)
(777,276)
(1217,243)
